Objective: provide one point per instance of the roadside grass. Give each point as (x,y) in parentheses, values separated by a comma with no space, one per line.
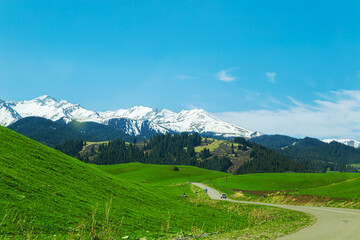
(262,221)
(348,189)
(311,189)
(282,181)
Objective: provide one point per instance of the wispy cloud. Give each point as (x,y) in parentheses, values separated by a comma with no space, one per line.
(271,76)
(297,103)
(185,77)
(324,118)
(224,75)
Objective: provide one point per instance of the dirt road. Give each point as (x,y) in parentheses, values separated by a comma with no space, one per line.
(331,223)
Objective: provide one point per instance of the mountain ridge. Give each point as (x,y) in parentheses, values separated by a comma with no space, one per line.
(348,142)
(157,121)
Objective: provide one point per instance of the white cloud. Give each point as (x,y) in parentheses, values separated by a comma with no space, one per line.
(334,118)
(225,76)
(271,76)
(185,77)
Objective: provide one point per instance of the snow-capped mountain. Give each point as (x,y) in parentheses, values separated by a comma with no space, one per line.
(133,121)
(7,114)
(348,142)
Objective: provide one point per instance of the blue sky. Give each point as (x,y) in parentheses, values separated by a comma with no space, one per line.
(227,57)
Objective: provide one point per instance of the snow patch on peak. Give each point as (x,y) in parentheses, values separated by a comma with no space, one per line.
(8,115)
(348,142)
(44,97)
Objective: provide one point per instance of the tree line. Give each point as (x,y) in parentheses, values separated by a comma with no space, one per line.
(179,149)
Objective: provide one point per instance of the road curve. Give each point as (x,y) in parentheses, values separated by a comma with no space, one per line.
(331,223)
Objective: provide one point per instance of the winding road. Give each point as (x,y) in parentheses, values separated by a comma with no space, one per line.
(331,223)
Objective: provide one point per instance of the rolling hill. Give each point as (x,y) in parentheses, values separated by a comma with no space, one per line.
(48,195)
(46,192)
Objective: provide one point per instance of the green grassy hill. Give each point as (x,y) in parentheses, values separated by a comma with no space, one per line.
(160,174)
(48,195)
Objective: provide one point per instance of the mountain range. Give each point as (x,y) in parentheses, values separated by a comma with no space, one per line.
(319,155)
(136,121)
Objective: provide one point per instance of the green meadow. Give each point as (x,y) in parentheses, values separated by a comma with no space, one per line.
(160,174)
(345,186)
(332,185)
(45,194)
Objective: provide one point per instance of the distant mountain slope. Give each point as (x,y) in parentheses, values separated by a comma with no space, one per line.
(45,131)
(134,121)
(316,154)
(322,156)
(52,133)
(274,141)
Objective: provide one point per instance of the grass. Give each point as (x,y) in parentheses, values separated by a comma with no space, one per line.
(348,189)
(52,193)
(160,174)
(317,189)
(45,194)
(283,181)
(211,145)
(312,189)
(88,143)
(334,185)
(262,222)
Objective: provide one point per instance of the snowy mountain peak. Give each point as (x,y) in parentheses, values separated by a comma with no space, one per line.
(133,120)
(348,142)
(45,97)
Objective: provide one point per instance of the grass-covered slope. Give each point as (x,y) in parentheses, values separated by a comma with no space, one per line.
(46,192)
